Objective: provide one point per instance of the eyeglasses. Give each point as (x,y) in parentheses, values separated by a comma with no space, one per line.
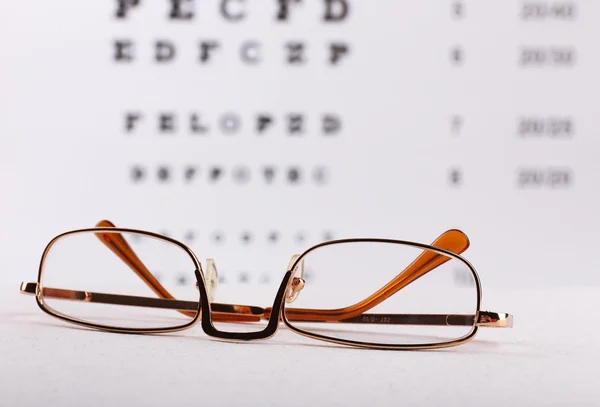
(371,293)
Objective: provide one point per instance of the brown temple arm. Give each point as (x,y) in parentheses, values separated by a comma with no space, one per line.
(119,246)
(245,313)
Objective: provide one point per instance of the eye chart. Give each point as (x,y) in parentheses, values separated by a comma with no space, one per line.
(252,129)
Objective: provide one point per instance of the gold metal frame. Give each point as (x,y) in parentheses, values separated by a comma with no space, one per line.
(87,296)
(480,319)
(448,245)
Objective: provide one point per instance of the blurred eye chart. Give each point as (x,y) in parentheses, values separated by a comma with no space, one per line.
(252,129)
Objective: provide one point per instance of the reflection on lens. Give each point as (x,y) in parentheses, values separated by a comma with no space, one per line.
(384,294)
(120,280)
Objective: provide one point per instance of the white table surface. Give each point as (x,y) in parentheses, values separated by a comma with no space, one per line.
(550,357)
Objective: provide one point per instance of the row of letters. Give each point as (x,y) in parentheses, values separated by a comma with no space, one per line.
(241,175)
(293,124)
(249,52)
(333,11)
(225,277)
(527,178)
(247,237)
(297,124)
(461,277)
(297,53)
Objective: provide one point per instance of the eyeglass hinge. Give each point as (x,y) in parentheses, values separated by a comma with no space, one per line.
(28,288)
(495,319)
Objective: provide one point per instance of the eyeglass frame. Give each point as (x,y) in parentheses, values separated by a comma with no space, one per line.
(204,313)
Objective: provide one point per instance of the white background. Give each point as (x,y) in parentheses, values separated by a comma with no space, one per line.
(65,158)
(65,162)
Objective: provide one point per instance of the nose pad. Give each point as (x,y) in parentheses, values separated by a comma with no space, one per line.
(211,278)
(297,283)
(296,286)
